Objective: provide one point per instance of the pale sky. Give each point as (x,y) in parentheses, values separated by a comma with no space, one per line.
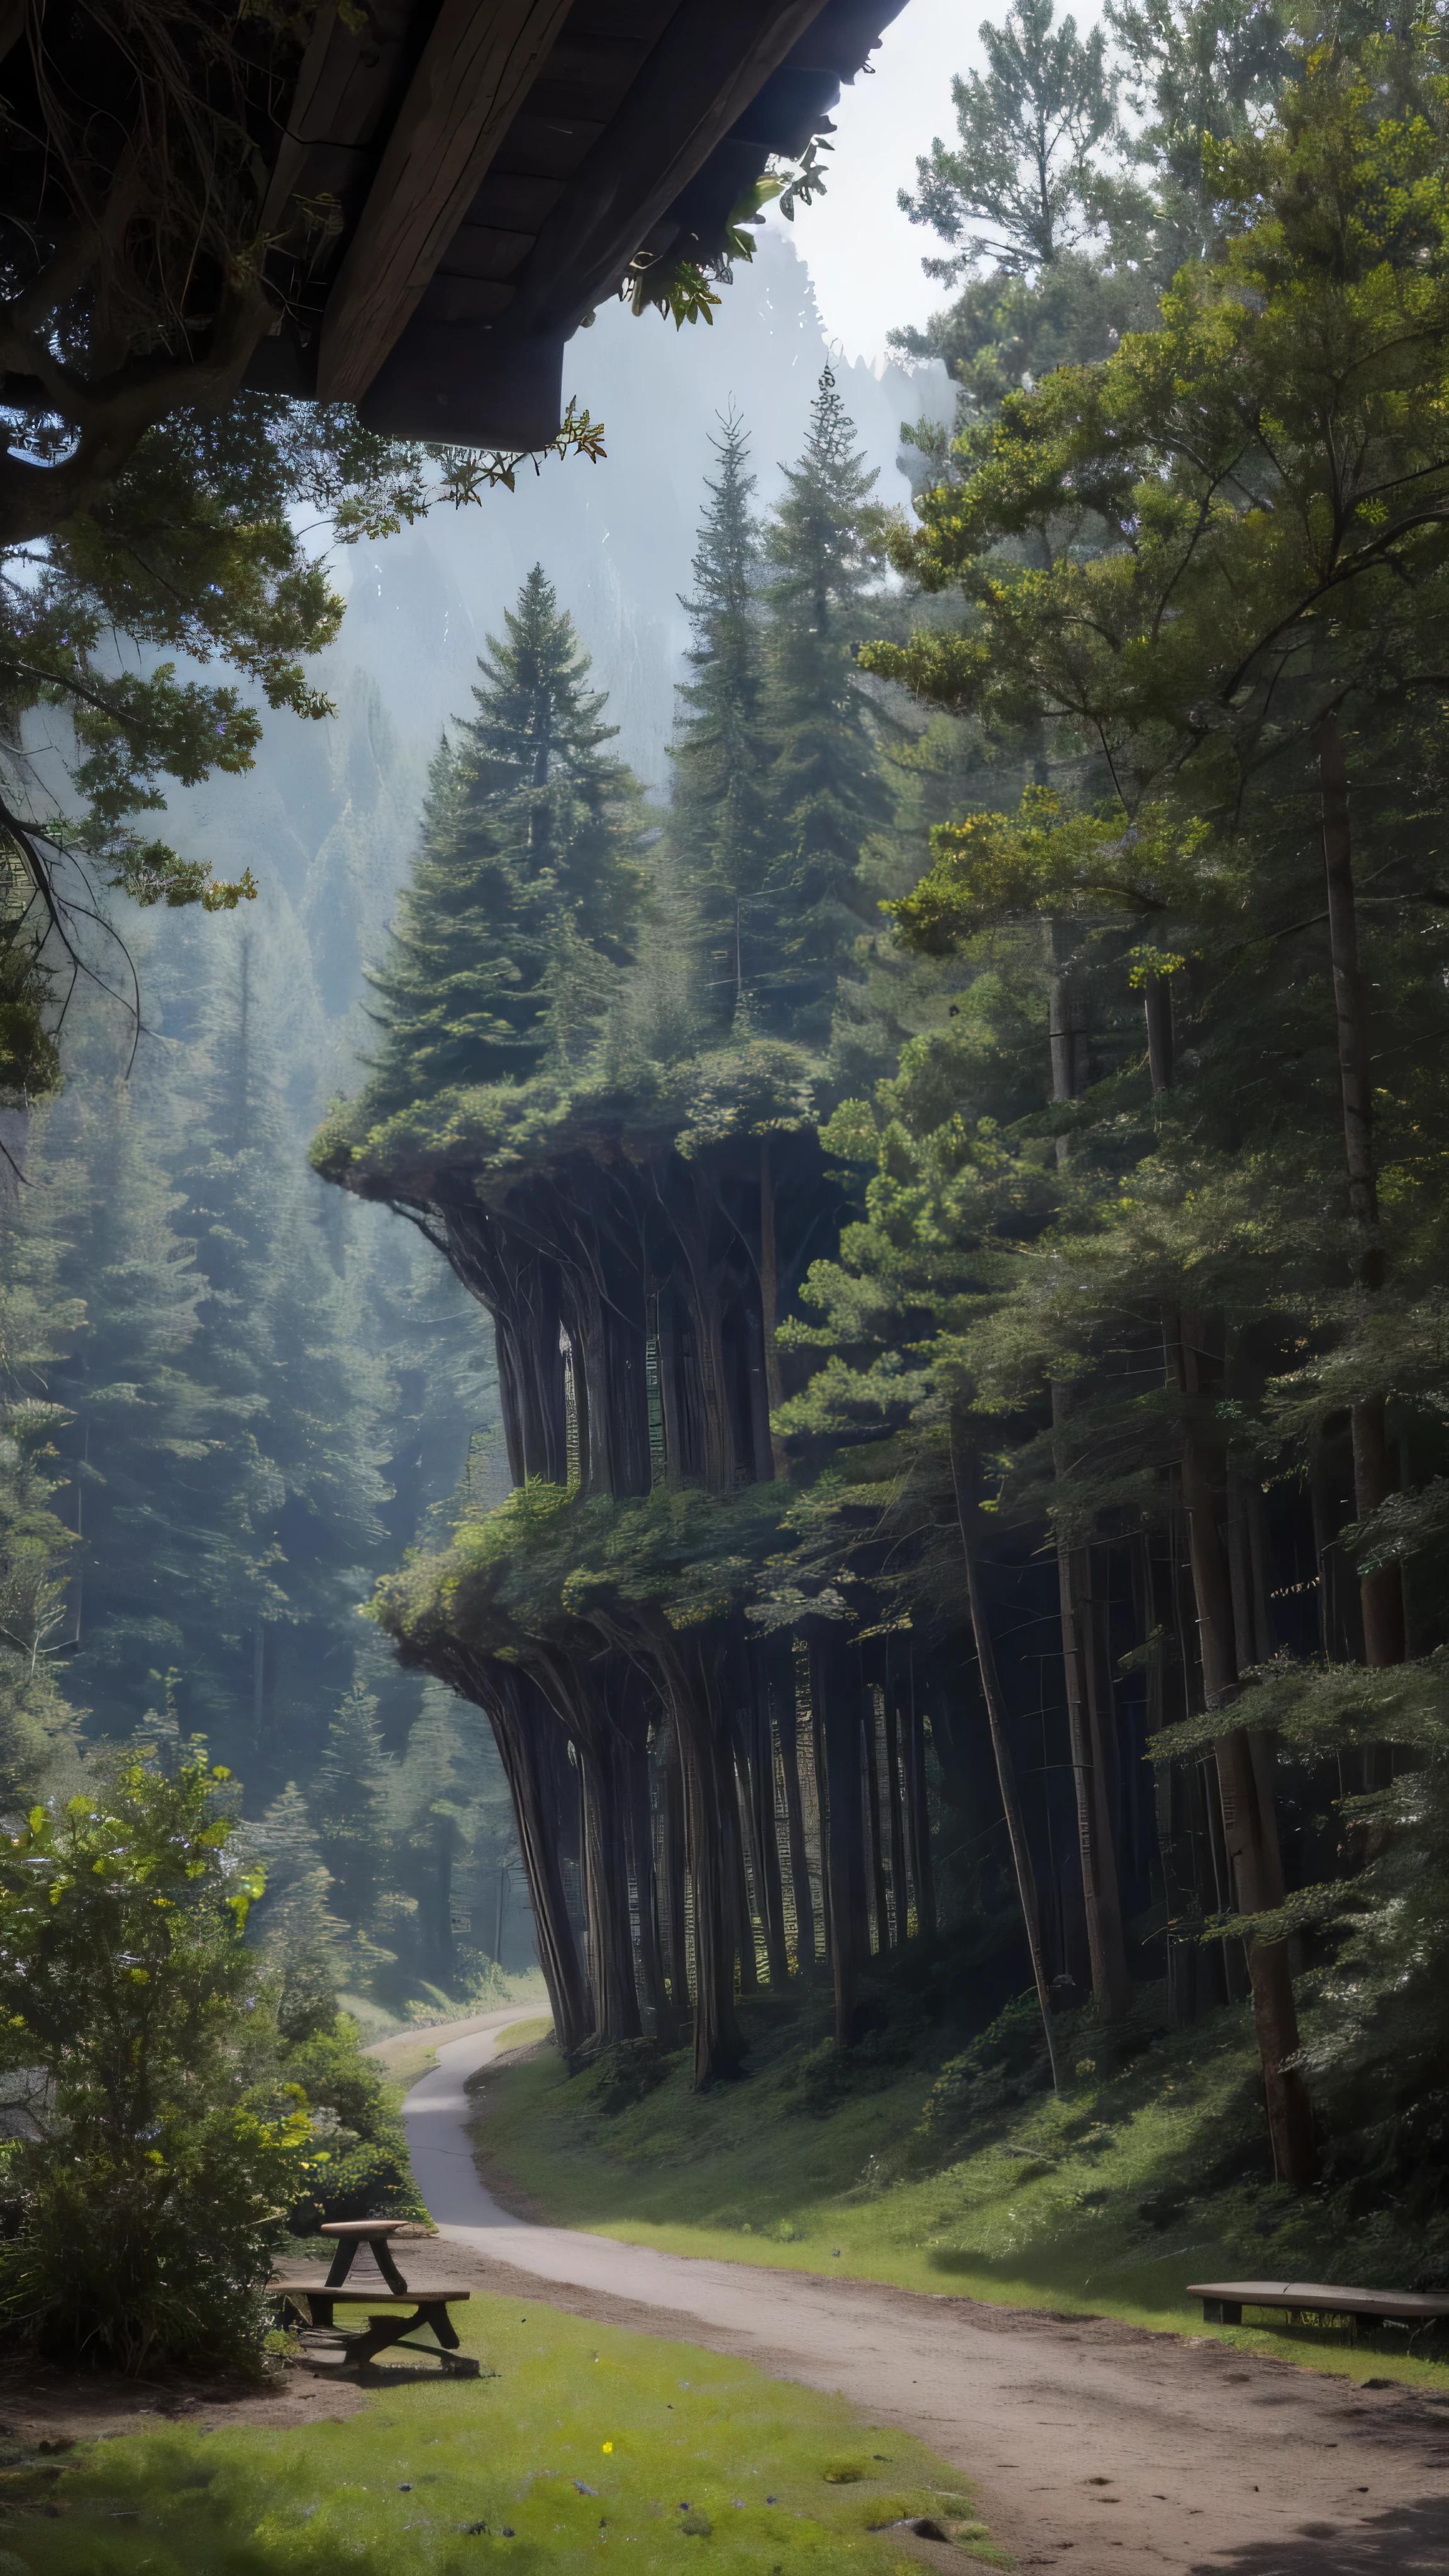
(864,257)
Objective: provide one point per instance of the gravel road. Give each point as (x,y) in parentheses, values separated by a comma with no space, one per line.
(1096,2448)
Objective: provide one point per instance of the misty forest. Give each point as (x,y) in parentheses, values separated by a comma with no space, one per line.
(722,1303)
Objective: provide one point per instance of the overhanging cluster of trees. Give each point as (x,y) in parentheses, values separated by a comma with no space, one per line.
(1050,1280)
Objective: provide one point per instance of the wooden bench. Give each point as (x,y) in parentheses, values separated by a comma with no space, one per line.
(427,2303)
(1223,2302)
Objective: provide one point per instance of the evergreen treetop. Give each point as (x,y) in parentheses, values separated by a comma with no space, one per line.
(825,789)
(529,874)
(720,754)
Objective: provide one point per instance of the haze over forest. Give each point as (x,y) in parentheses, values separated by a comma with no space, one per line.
(756,1326)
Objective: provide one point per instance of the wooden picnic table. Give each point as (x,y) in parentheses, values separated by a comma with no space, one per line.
(1223,2302)
(426,2303)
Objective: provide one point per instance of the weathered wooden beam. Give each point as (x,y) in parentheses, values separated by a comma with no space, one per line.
(477,67)
(700,77)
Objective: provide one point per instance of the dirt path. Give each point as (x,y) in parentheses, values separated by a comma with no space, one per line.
(1097,2448)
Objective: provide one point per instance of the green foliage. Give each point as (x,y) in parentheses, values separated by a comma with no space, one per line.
(1026,168)
(718,815)
(161,2143)
(824,788)
(528,871)
(550,1563)
(191,545)
(356,2161)
(1216,581)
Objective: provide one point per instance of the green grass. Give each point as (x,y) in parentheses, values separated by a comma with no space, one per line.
(580,2451)
(411,2054)
(1144,2173)
(525,2034)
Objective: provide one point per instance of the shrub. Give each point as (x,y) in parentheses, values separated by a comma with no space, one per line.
(147,2198)
(357,2161)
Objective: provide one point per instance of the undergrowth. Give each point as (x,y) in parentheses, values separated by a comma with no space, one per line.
(582,2438)
(1149,2169)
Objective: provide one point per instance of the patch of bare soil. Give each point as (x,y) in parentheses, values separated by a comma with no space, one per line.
(45,2411)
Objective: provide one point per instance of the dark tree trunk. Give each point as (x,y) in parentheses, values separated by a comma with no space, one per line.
(606,1890)
(822,1810)
(1244,1762)
(918,1816)
(1382,1592)
(804,1903)
(1111,1985)
(765,1849)
(899,1896)
(676,1947)
(653,1990)
(688,1671)
(962,1475)
(1101,1895)
(872,1819)
(741,1836)
(835,1691)
(521,1721)
(769,1306)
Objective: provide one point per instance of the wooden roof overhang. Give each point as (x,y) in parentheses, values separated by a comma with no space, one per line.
(456,190)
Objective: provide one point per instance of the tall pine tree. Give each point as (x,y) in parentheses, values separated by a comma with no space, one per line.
(528,875)
(719,815)
(826,793)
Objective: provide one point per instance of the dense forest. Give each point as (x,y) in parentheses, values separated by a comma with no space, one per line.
(970,1377)
(954,1178)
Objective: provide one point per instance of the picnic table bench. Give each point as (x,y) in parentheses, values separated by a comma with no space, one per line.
(425,2305)
(1223,2302)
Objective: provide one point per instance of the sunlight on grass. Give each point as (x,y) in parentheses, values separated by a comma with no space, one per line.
(525,2034)
(1107,2198)
(584,2438)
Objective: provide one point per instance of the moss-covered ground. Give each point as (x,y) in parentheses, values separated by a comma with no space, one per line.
(586,2447)
(1149,2169)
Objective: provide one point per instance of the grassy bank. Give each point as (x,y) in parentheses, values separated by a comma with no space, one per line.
(410,2054)
(1149,2169)
(584,2437)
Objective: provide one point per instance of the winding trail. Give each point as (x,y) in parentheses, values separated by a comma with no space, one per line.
(1095,2447)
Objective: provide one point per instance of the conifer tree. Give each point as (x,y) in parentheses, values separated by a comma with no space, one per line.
(1027,167)
(349,1800)
(297,1931)
(529,869)
(158,1467)
(37,1323)
(824,785)
(720,752)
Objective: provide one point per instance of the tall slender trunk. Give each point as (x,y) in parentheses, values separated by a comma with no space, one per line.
(1111,1984)
(674,1932)
(918,1815)
(689,1677)
(961,1477)
(646,1896)
(743,1866)
(1101,1894)
(606,1893)
(822,1811)
(835,1690)
(518,1717)
(899,1898)
(1382,1592)
(787,1729)
(872,1819)
(1244,1760)
(764,1846)
(769,1303)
